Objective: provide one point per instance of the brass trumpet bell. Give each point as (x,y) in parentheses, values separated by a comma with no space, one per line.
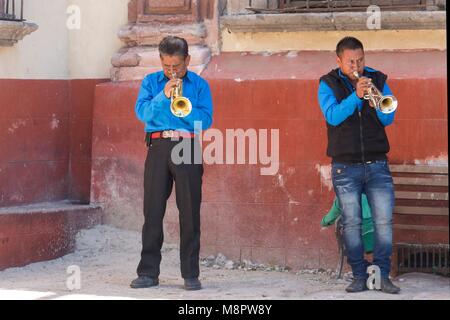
(181,107)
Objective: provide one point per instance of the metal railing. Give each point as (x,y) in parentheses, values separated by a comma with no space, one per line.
(289,6)
(11,10)
(428,258)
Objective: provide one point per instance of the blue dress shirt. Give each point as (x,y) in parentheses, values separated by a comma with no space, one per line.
(153,107)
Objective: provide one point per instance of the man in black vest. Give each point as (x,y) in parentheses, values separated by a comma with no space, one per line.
(357,144)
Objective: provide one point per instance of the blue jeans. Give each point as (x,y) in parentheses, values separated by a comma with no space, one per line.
(349,181)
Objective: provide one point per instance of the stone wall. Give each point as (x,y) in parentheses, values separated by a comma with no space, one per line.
(150,21)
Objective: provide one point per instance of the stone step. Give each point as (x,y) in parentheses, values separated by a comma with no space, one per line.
(42,231)
(146,56)
(138,73)
(143,34)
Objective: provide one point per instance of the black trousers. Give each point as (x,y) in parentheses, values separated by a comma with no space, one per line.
(160,174)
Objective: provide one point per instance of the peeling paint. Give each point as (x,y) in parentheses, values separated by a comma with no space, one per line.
(292,54)
(290,170)
(442,159)
(281,183)
(112,147)
(16,197)
(54,124)
(238,80)
(280,180)
(325,176)
(16,125)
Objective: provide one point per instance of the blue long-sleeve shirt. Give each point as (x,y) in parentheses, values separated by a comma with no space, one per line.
(335,113)
(153,107)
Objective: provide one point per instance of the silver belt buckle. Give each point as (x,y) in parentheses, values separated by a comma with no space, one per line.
(167,134)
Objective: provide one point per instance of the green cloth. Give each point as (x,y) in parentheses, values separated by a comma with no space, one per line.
(367,223)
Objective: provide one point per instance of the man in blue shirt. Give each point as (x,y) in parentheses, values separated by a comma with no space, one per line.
(358,144)
(165,133)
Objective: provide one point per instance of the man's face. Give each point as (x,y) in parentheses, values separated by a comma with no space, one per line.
(350,61)
(174,64)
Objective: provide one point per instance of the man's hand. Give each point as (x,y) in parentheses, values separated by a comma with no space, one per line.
(362,86)
(170,85)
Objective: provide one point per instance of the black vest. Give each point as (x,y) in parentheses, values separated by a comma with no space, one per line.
(361,137)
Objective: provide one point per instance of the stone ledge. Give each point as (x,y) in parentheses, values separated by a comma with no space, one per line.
(390,20)
(13,31)
(149,56)
(48,207)
(143,34)
(42,231)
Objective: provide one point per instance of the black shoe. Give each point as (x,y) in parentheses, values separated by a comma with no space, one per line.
(388,287)
(358,285)
(192,284)
(144,282)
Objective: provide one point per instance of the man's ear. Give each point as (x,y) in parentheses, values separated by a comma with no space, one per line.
(187,60)
(338,61)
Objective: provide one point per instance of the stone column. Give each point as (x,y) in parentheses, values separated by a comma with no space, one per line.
(149,21)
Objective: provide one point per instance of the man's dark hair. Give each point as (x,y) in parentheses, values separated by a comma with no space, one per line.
(349,43)
(173,46)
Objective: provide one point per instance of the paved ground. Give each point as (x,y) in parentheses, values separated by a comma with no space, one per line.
(107,257)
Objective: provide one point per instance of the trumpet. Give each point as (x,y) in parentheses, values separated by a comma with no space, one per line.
(385,104)
(179,106)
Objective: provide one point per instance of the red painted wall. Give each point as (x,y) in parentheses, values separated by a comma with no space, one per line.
(46,133)
(82,94)
(45,140)
(45,156)
(272,219)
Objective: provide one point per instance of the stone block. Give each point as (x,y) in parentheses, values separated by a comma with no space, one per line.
(152,34)
(199,55)
(125,59)
(132,11)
